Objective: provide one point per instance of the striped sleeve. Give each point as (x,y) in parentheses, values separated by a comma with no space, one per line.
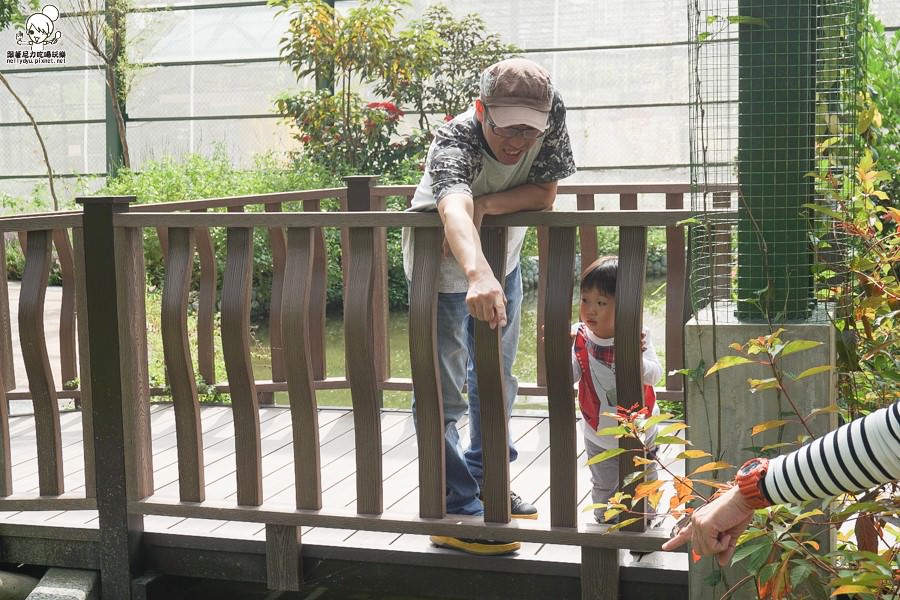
(856,456)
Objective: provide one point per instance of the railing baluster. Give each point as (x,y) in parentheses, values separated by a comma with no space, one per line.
(317,296)
(360,198)
(37,363)
(6,348)
(131,289)
(67,358)
(279,249)
(489,370)
(543,239)
(5,456)
(426,377)
(179,367)
(675,279)
(587,234)
(298,360)
(629,315)
(558,356)
(362,371)
(236,352)
(84,363)
(206,305)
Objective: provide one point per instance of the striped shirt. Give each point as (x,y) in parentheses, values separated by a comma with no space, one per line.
(859,455)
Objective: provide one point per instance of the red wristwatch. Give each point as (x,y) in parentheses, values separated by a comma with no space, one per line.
(749,481)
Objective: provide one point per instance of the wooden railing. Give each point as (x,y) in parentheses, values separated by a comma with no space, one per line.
(108,269)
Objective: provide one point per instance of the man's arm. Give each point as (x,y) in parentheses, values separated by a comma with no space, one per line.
(462,219)
(528,196)
(485,297)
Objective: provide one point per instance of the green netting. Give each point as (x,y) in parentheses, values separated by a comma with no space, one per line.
(774,89)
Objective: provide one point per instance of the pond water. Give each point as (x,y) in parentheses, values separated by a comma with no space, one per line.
(525,366)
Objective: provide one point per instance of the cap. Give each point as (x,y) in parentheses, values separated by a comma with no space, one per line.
(518,92)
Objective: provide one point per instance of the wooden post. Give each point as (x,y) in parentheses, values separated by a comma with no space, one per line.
(489,370)
(119,530)
(675,272)
(67,353)
(278,245)
(360,198)
(629,314)
(6,355)
(587,235)
(423,355)
(37,362)
(558,356)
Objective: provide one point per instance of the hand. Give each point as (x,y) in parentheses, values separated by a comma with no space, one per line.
(643,342)
(715,527)
(486,300)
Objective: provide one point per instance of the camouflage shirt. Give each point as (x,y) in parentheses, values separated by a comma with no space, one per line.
(460,161)
(457,153)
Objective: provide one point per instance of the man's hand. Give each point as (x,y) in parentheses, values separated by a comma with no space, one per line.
(486,300)
(715,527)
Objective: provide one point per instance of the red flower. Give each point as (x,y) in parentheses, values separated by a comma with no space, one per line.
(389,107)
(305,139)
(448,118)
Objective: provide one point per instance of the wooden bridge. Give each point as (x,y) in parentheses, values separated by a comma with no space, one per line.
(257,492)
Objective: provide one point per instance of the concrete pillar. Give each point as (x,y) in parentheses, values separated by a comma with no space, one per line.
(721,411)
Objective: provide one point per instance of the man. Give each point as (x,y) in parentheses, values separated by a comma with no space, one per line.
(504,155)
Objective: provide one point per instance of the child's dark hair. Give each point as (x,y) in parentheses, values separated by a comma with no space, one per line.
(601,275)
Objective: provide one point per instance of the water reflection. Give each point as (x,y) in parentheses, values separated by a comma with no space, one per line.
(525,366)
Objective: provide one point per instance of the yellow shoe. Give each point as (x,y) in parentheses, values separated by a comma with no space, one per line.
(473,546)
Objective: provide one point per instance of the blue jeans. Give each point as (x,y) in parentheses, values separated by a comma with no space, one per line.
(456,352)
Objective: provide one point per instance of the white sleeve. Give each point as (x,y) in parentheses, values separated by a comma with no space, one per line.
(576,368)
(858,455)
(651,369)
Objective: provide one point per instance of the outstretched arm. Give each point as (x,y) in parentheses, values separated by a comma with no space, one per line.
(828,466)
(462,216)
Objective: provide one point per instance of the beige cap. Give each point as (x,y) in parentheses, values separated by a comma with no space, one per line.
(518,92)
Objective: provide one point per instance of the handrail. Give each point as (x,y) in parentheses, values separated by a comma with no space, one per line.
(549,218)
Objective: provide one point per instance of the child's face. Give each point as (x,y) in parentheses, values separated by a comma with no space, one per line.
(598,312)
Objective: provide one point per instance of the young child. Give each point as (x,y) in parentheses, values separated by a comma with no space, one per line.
(594,368)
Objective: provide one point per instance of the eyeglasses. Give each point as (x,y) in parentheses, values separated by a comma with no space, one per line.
(529,133)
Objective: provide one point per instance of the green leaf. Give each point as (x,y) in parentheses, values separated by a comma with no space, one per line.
(605,455)
(671,439)
(813,371)
(624,523)
(758,385)
(672,428)
(692,454)
(703,36)
(768,572)
(726,362)
(747,550)
(766,426)
(825,211)
(800,572)
(616,430)
(656,420)
(798,346)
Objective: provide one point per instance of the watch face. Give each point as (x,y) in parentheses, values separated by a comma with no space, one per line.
(749,466)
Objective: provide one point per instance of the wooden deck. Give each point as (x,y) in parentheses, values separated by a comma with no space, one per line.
(529,475)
